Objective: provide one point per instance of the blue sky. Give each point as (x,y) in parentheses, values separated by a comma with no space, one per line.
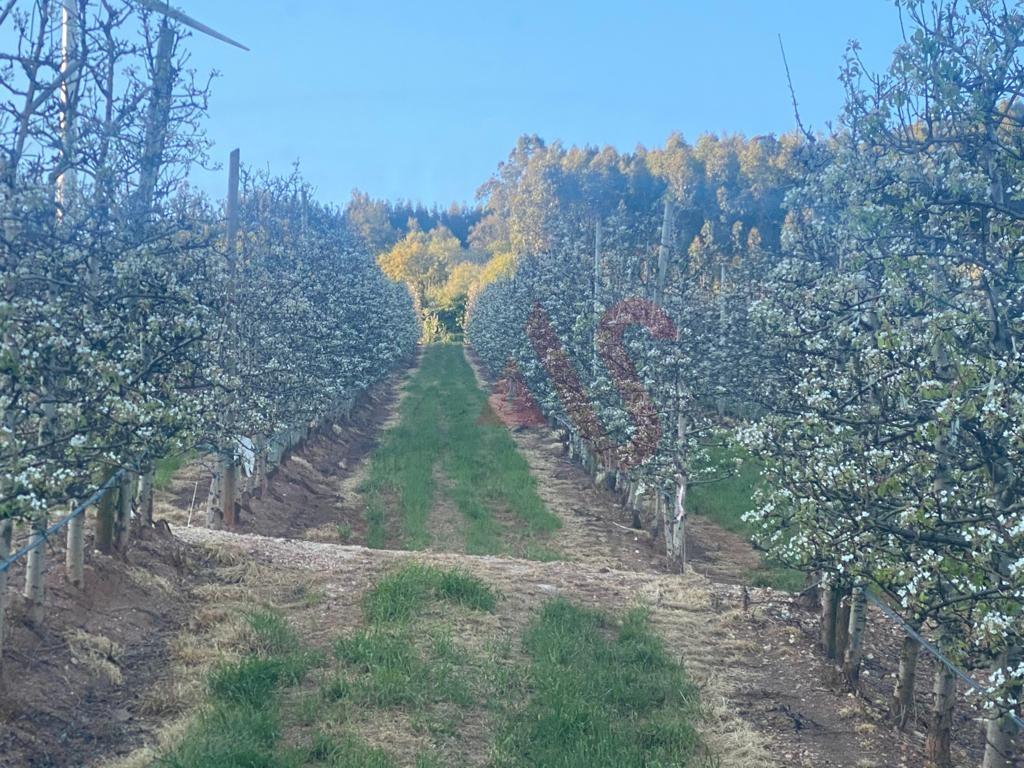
(421,100)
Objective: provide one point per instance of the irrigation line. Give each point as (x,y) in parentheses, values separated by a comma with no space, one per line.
(112,482)
(967,679)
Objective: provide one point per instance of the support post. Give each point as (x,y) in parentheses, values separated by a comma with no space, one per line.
(1002,730)
(146,498)
(35,587)
(663,252)
(6,536)
(123,518)
(937,745)
(227,459)
(855,635)
(74,556)
(66,181)
(105,522)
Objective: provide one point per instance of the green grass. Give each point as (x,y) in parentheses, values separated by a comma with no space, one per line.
(165,468)
(726,501)
(577,689)
(397,664)
(402,468)
(397,667)
(402,593)
(445,422)
(241,725)
(603,694)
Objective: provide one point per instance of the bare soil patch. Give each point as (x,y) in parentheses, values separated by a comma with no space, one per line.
(86,684)
(309,491)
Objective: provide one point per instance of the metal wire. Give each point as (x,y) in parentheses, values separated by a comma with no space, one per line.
(909,630)
(112,481)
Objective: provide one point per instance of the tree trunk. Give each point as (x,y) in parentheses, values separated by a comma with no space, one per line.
(855,636)
(937,742)
(902,702)
(146,498)
(105,522)
(6,535)
(35,587)
(842,624)
(1002,730)
(74,556)
(829,598)
(122,522)
(229,487)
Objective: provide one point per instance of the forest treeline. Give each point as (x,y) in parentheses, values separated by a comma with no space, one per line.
(849,308)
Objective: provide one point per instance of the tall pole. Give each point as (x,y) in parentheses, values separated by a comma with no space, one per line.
(35,567)
(228,484)
(157,119)
(663,249)
(65,186)
(596,294)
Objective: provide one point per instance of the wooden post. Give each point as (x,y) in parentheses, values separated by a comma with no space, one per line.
(1001,729)
(596,296)
(122,522)
(855,645)
(229,489)
(146,498)
(937,743)
(903,693)
(227,458)
(6,535)
(157,119)
(35,587)
(842,624)
(74,556)
(663,253)
(65,185)
(214,515)
(829,600)
(105,522)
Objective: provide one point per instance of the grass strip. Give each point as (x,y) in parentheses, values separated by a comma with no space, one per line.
(445,418)
(602,694)
(727,500)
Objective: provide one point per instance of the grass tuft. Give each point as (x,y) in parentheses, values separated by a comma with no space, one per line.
(602,696)
(404,592)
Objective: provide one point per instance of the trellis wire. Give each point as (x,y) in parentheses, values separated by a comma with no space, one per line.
(935,652)
(112,481)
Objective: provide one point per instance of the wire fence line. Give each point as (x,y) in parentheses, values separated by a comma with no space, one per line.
(280,442)
(939,656)
(35,543)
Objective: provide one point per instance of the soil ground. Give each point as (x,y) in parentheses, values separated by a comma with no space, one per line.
(119,666)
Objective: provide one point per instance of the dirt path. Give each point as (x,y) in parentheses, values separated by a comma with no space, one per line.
(751,651)
(697,623)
